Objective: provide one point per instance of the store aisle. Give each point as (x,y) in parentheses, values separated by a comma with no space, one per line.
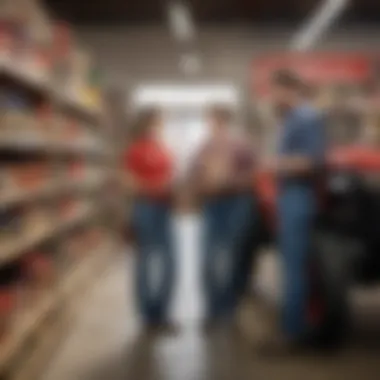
(105,344)
(103,323)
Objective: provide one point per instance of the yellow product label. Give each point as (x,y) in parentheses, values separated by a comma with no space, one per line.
(93,97)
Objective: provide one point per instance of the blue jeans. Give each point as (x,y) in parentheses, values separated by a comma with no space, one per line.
(296,212)
(155,261)
(226,219)
(247,250)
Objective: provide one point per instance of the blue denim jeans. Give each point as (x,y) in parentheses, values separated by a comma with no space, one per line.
(296,212)
(247,248)
(155,259)
(225,222)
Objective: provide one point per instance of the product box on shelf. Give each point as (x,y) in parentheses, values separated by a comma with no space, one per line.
(80,61)
(76,170)
(74,247)
(37,219)
(61,52)
(94,237)
(16,112)
(69,207)
(30,40)
(93,89)
(30,175)
(39,272)
(44,120)
(5,39)
(71,129)
(11,224)
(11,298)
(6,185)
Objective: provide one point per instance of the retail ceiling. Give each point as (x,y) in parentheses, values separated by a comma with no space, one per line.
(126,12)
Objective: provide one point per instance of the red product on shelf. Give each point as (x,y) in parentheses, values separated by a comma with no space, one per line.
(44,117)
(10,276)
(76,170)
(8,302)
(71,130)
(94,237)
(22,45)
(76,247)
(39,269)
(29,176)
(68,207)
(5,37)
(62,40)
(42,59)
(61,51)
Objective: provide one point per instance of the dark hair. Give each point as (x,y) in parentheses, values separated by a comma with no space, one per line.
(144,121)
(221,114)
(288,79)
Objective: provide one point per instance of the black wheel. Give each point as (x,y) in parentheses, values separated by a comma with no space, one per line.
(328,308)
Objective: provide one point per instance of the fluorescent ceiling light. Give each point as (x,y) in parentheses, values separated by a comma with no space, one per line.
(180,21)
(177,95)
(318,23)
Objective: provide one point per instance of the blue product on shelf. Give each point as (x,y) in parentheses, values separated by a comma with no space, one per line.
(10,221)
(15,101)
(15,107)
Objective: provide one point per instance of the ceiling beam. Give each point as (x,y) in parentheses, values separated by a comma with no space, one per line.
(318,23)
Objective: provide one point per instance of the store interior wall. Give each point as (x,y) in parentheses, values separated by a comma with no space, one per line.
(135,55)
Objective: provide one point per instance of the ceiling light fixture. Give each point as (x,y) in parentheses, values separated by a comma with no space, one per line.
(180,21)
(179,95)
(318,23)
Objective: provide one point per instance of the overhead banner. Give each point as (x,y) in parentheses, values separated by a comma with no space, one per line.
(317,68)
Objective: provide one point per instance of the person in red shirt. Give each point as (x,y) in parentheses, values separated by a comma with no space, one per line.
(148,176)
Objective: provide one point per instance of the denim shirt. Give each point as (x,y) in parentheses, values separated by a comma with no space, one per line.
(303,135)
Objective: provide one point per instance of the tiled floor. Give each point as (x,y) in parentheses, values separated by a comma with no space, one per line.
(105,344)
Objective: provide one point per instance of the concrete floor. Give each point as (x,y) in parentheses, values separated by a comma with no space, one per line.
(104,344)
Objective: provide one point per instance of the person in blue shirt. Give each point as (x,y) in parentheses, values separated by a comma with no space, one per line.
(298,167)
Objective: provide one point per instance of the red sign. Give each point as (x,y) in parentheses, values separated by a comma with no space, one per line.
(319,68)
(356,158)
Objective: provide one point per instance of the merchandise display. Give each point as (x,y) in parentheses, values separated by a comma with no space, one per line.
(342,84)
(55,226)
(347,190)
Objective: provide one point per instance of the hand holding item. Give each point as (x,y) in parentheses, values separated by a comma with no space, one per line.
(216,173)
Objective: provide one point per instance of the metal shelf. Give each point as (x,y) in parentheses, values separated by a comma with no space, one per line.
(14,249)
(42,85)
(26,325)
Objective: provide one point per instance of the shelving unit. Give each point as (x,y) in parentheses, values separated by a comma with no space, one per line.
(57,176)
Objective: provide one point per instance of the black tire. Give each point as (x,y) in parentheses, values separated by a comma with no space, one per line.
(330,281)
